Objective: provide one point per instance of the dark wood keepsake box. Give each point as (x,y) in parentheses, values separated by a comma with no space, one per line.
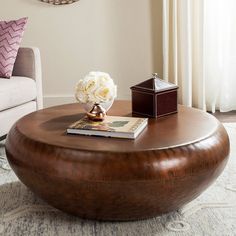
(154,98)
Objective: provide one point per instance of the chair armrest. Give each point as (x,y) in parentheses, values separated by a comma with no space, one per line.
(28,64)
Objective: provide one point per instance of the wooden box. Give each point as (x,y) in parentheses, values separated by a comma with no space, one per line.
(154,98)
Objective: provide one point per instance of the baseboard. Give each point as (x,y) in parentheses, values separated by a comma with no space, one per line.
(54,100)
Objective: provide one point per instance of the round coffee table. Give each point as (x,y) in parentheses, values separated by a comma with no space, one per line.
(173,160)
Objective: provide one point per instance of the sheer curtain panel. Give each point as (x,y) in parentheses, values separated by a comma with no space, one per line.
(199,52)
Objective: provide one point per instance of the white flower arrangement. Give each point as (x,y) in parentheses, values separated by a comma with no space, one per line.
(96,87)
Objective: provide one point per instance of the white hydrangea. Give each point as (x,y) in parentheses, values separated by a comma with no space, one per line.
(96,87)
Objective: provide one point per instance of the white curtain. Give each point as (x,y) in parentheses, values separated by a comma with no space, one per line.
(199,52)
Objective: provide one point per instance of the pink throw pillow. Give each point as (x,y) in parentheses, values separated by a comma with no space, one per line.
(11,33)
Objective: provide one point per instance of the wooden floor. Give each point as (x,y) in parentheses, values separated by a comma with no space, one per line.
(225,117)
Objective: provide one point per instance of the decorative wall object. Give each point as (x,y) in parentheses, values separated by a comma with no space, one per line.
(59,2)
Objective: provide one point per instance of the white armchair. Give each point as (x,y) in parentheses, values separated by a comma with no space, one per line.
(22,93)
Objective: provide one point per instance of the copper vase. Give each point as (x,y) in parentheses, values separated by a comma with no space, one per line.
(97,113)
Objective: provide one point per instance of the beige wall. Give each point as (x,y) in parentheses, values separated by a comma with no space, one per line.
(121,37)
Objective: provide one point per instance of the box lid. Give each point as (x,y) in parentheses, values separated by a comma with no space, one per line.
(154,85)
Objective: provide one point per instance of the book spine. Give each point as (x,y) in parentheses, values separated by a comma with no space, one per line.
(136,125)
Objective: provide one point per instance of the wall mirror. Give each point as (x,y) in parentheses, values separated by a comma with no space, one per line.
(59,2)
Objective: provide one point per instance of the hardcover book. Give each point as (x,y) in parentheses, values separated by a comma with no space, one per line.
(111,126)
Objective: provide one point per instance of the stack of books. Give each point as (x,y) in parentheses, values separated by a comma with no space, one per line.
(111,126)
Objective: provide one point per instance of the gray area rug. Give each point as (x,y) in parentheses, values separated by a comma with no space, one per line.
(213,213)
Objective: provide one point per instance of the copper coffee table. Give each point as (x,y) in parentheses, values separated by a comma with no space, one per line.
(172,162)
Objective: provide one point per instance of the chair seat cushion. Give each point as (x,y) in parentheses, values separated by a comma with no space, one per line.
(16,91)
